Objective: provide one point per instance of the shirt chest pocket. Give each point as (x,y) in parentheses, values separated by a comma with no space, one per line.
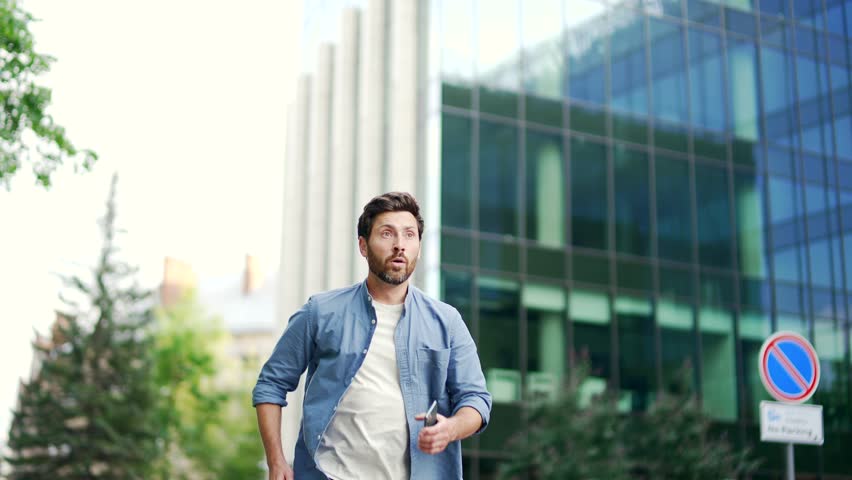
(432,365)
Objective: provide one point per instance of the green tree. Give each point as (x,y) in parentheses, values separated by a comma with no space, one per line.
(28,133)
(577,437)
(208,424)
(90,410)
(572,438)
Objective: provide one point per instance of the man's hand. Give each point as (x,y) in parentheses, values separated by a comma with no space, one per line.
(435,439)
(281,471)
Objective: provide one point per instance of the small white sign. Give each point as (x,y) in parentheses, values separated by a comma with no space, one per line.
(785,423)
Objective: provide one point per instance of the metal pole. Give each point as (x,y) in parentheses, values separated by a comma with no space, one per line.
(791,467)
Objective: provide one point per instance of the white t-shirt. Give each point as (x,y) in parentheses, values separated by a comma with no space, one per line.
(368,434)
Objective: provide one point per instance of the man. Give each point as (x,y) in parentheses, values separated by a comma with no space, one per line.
(377,353)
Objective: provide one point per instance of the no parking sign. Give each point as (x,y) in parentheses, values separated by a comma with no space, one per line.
(789,367)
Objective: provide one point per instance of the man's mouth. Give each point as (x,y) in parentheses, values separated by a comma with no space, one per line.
(399,261)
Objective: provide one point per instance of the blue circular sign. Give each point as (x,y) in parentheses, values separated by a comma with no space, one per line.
(789,367)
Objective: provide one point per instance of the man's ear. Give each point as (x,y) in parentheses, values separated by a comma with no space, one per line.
(362,246)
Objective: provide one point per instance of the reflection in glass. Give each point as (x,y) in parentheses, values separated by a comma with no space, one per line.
(545,189)
(456,289)
(589,197)
(674,210)
(742,91)
(714,224)
(751,245)
(632,202)
(778,95)
(455,171)
(499,330)
(636,352)
(679,347)
(668,72)
(754,328)
(705,76)
(546,337)
(585,23)
(628,80)
(718,375)
(498,172)
(590,314)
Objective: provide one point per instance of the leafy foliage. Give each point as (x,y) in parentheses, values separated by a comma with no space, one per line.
(208,424)
(28,133)
(89,411)
(574,438)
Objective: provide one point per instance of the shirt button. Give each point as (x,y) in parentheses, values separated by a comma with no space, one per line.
(319,437)
(365,351)
(374,321)
(335,408)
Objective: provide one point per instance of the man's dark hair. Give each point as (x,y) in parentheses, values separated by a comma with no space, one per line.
(389,202)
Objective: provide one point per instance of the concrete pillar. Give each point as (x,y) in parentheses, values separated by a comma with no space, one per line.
(405,92)
(372,117)
(316,199)
(343,163)
(290,292)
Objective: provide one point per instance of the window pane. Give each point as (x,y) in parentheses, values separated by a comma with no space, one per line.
(456,249)
(499,331)
(545,189)
(585,48)
(498,173)
(668,72)
(751,243)
(705,76)
(778,95)
(636,351)
(679,346)
(674,210)
(718,379)
(590,314)
(742,91)
(455,171)
(754,328)
(714,225)
(546,262)
(547,341)
(632,202)
(628,80)
(591,269)
(589,197)
(456,290)
(500,256)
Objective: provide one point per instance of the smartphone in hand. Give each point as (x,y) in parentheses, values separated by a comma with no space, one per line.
(431,415)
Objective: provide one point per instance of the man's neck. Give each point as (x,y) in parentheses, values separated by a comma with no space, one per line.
(384,292)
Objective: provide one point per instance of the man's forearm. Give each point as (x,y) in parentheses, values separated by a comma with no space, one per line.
(269,423)
(466,422)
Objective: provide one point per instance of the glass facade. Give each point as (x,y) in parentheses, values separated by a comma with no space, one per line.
(650,184)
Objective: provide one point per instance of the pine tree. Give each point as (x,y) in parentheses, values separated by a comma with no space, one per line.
(89,412)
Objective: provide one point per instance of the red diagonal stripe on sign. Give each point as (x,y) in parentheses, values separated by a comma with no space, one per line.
(788,366)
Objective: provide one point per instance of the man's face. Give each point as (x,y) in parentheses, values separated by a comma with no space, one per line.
(393,247)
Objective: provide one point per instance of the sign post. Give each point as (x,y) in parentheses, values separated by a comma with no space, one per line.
(789,369)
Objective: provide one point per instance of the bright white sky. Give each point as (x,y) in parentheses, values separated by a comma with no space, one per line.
(186,100)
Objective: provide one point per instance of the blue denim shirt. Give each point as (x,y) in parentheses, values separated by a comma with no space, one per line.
(328,336)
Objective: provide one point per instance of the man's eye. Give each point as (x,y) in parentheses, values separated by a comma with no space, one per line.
(386,234)
(410,234)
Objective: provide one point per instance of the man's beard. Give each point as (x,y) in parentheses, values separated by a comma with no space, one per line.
(385,274)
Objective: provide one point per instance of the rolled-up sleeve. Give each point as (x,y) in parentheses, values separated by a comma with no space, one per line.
(280,374)
(465,381)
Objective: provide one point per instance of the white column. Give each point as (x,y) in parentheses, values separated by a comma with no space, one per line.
(316,200)
(290,293)
(343,163)
(372,117)
(404,93)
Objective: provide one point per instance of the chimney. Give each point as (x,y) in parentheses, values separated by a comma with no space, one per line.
(252,275)
(178,278)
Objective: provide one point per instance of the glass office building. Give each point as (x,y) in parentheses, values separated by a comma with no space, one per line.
(646,185)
